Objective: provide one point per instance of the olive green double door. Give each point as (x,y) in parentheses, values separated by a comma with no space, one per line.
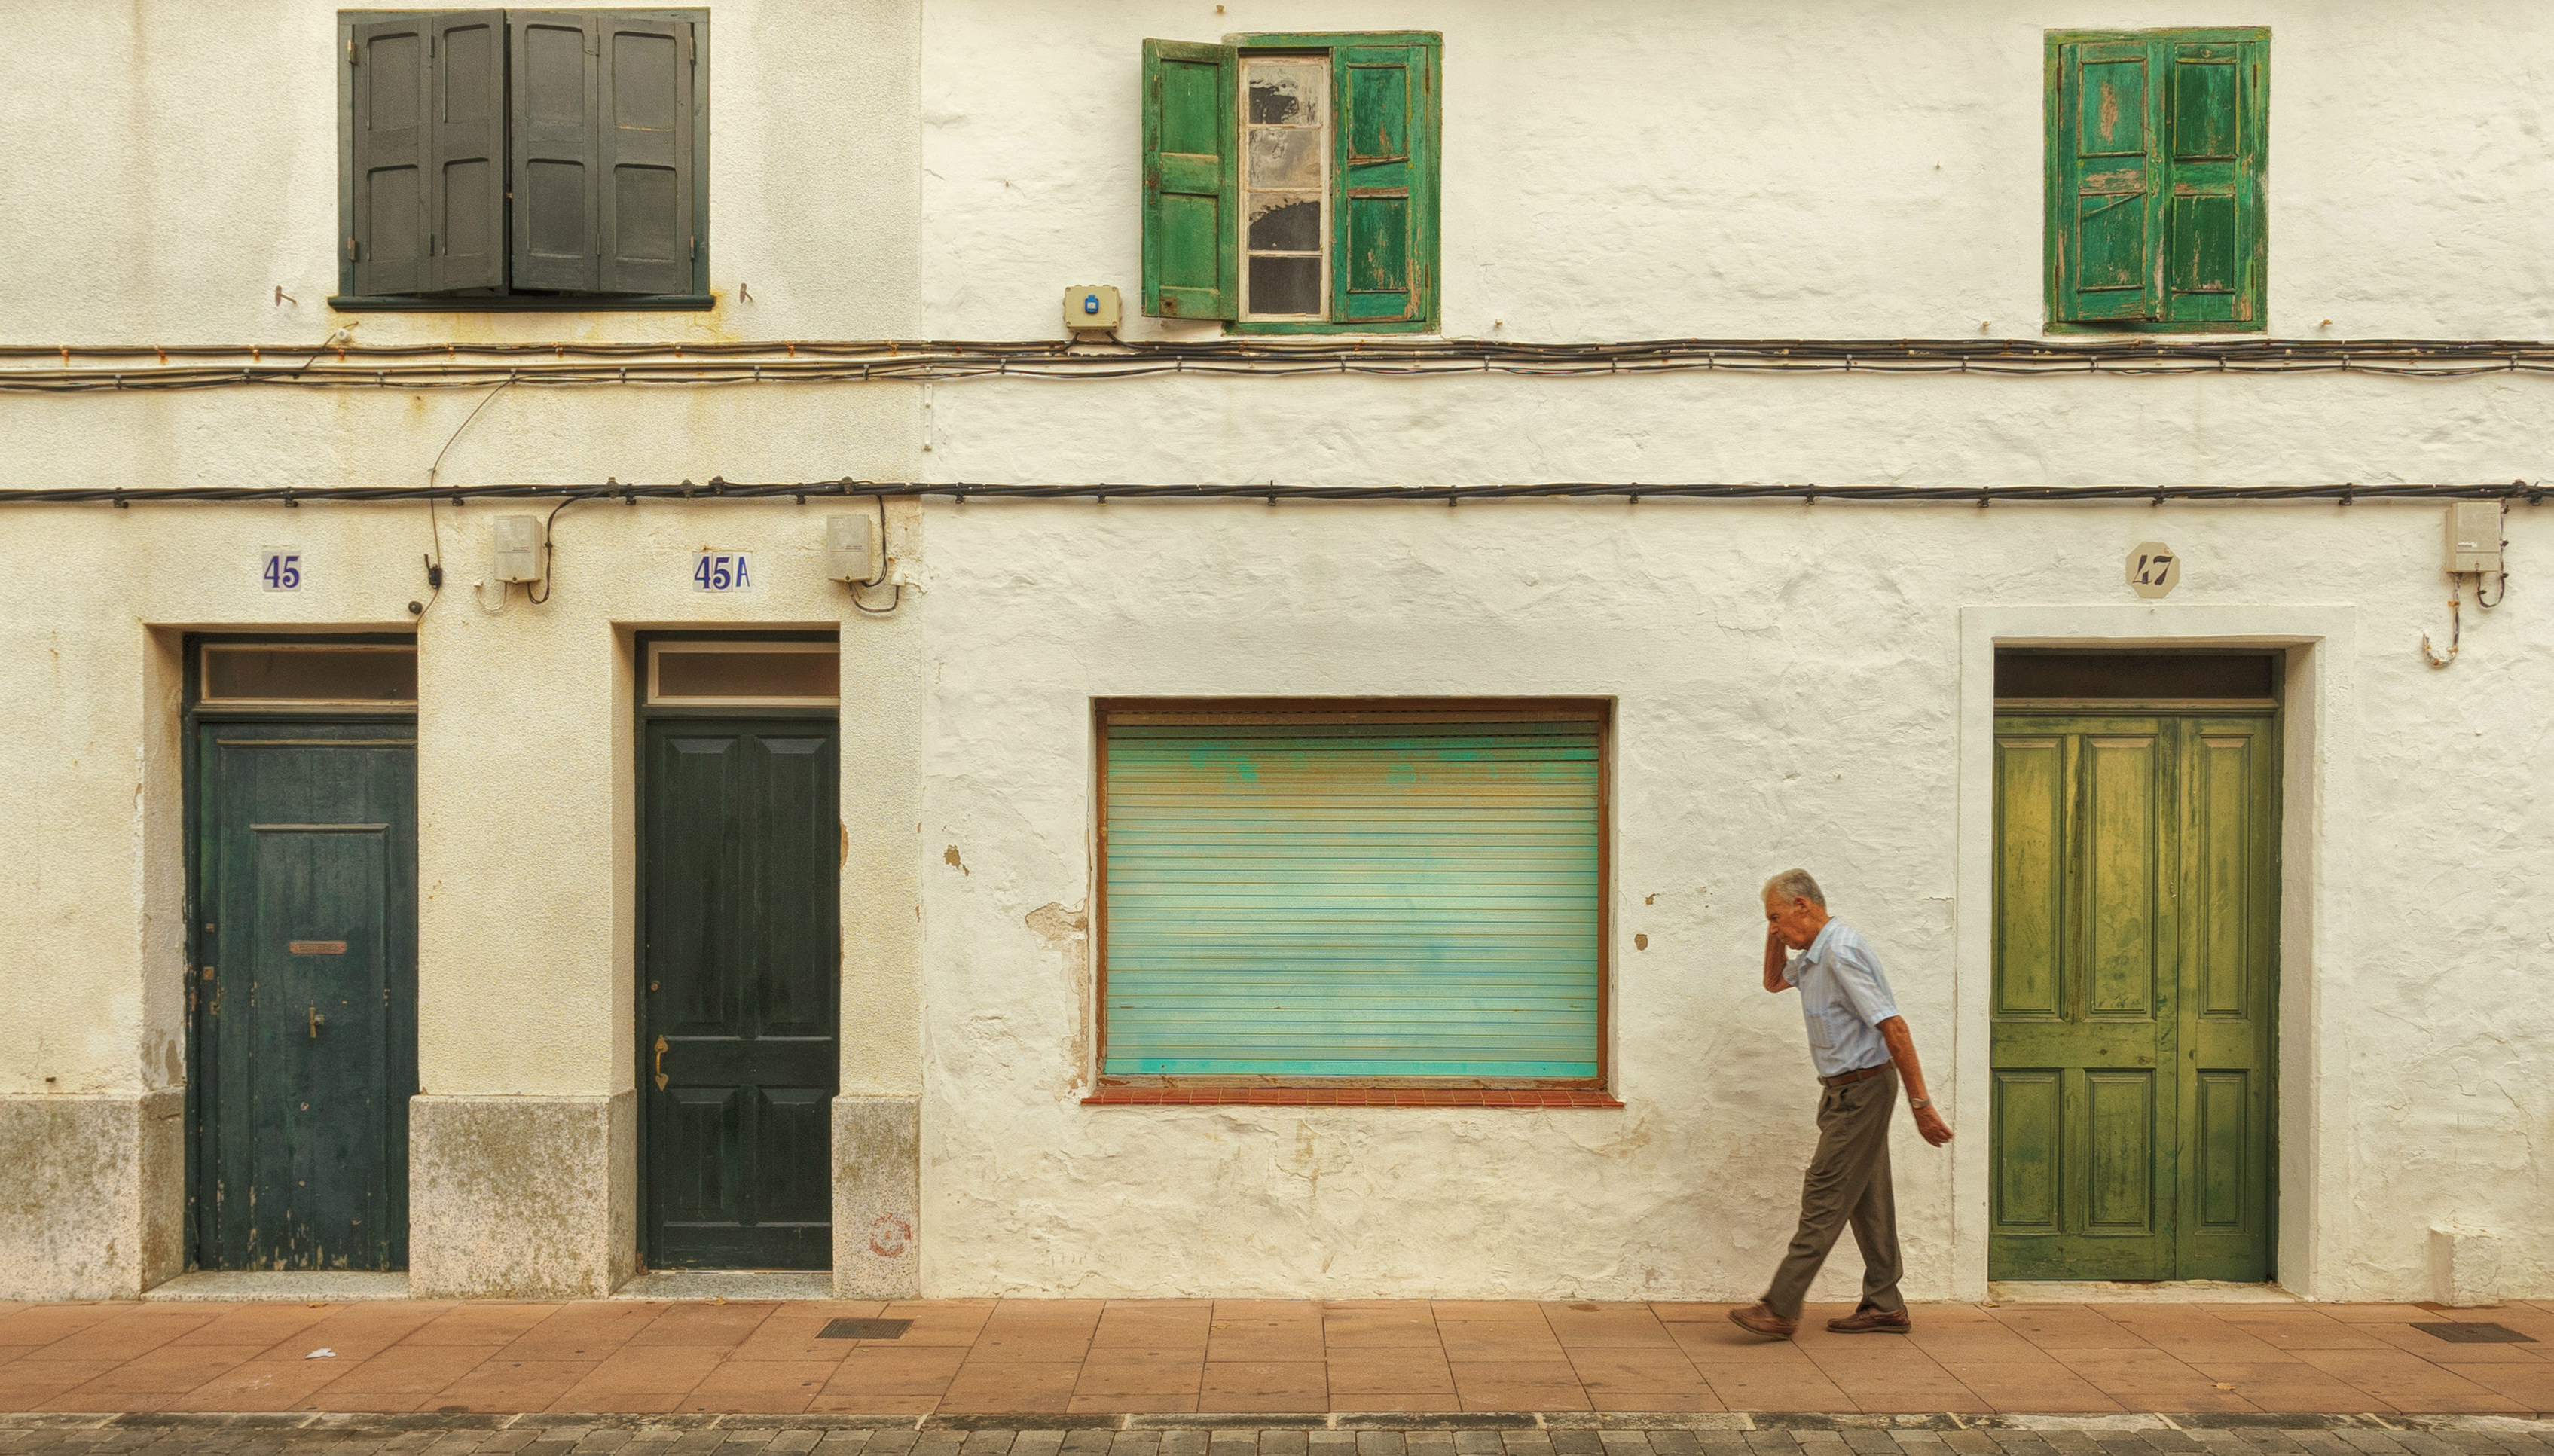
(2135,995)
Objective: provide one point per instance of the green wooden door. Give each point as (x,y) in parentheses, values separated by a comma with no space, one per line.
(2137,926)
(305,994)
(740,1011)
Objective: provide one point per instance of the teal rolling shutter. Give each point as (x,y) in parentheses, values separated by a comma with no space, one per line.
(1362,900)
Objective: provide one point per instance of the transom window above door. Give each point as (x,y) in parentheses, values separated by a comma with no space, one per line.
(743,674)
(306,675)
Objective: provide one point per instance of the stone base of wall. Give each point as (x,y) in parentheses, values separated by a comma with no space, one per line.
(521,1197)
(878,1197)
(94,1204)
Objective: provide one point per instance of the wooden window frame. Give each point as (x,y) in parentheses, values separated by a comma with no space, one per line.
(2253,158)
(699,299)
(1355,1091)
(1427,187)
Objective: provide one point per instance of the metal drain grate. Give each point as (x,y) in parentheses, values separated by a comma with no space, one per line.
(2475,1334)
(863,1329)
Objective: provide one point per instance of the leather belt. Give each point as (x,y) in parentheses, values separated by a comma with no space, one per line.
(1844,1078)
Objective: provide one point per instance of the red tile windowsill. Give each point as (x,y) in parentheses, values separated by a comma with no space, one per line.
(1519,1097)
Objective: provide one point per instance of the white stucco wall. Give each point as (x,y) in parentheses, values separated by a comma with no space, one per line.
(1790,678)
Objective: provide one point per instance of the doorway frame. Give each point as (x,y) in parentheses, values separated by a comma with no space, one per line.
(2318,786)
(190,771)
(642,713)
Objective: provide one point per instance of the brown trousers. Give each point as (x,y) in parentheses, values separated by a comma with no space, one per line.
(1847,1182)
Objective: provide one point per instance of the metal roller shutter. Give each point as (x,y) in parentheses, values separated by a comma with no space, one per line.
(1294,899)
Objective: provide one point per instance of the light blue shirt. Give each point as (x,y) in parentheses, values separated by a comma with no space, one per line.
(1844,998)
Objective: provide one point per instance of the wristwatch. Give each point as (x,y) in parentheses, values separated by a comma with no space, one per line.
(1919,1104)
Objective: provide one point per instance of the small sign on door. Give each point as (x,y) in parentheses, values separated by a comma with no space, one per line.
(722,571)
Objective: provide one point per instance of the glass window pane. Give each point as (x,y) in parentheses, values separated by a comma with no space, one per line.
(810,673)
(250,673)
(1286,285)
(1285,158)
(1285,222)
(1283,92)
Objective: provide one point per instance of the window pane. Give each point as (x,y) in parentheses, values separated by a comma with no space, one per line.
(293,674)
(2176,676)
(1285,158)
(1286,285)
(806,674)
(1291,899)
(1283,92)
(1283,222)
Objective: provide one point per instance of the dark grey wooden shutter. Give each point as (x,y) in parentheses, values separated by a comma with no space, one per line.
(558,239)
(466,197)
(387,140)
(644,145)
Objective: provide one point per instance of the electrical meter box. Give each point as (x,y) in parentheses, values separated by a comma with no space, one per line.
(852,550)
(2474,537)
(1091,307)
(518,548)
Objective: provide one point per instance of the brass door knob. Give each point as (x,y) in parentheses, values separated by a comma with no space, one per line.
(660,1063)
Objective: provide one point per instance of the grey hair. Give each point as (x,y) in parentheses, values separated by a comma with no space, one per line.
(1796,884)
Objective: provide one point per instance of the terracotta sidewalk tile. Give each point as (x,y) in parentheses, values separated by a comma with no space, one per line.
(2380,1314)
(764,1385)
(866,1402)
(418,1369)
(2063,1327)
(2423,1345)
(1635,1368)
(170,1370)
(1264,1385)
(1727,1344)
(259,1385)
(482,1324)
(1589,1325)
(2529,1386)
(941,1322)
(1396,1369)
(2176,1395)
(995,1389)
(1500,1341)
(513,1384)
(1490,1310)
(641,1379)
(2289,1386)
(1146,1404)
(887,1370)
(1776,1387)
(1034,1349)
(43,1324)
(103,1402)
(368,1402)
(1401,1403)
(264,1325)
(1264,1340)
(2107,1368)
(119,1338)
(1896,1399)
(2307,1331)
(1121,1372)
(2035,1385)
(1687,1311)
(704,1322)
(1406,1325)
(1699,1397)
(1304,1310)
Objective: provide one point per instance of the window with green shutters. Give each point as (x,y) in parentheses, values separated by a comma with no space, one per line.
(1291,181)
(2158,142)
(1382,894)
(522,158)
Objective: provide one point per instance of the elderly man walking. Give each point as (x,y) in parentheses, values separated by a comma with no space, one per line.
(1862,1049)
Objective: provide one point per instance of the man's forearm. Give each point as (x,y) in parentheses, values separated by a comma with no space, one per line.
(1775,959)
(1902,1051)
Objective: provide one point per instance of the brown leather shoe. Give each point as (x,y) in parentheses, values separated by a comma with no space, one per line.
(1760,1319)
(1867,1321)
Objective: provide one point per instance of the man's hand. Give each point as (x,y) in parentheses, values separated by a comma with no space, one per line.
(1930,1123)
(1776,955)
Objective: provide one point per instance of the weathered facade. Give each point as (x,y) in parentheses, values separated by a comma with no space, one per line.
(1787,678)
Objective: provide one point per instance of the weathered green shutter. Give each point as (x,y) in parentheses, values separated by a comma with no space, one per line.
(644,150)
(467,196)
(1384,208)
(1192,133)
(389,161)
(2213,234)
(557,243)
(2155,153)
(1292,900)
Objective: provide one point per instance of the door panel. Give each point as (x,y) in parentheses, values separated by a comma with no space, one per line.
(740,954)
(306,1045)
(2134,939)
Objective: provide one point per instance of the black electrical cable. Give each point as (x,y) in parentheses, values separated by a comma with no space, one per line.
(730,490)
(886,565)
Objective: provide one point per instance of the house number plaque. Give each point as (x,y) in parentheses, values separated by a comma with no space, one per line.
(2155,569)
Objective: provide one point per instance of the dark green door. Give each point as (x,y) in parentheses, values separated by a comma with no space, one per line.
(740,1021)
(2137,937)
(304,993)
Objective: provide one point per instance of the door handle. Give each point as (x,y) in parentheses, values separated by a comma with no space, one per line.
(660,1063)
(315,1019)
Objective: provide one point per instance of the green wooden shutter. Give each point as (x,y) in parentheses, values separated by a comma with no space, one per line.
(557,242)
(2213,236)
(2155,153)
(644,150)
(2105,182)
(1384,205)
(1192,135)
(1292,900)
(387,156)
(466,213)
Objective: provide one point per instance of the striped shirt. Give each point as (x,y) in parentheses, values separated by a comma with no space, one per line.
(1844,998)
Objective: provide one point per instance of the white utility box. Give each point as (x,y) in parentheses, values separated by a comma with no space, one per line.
(1091,307)
(518,548)
(852,550)
(2474,537)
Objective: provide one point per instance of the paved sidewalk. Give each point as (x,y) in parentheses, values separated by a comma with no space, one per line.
(1025,1358)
